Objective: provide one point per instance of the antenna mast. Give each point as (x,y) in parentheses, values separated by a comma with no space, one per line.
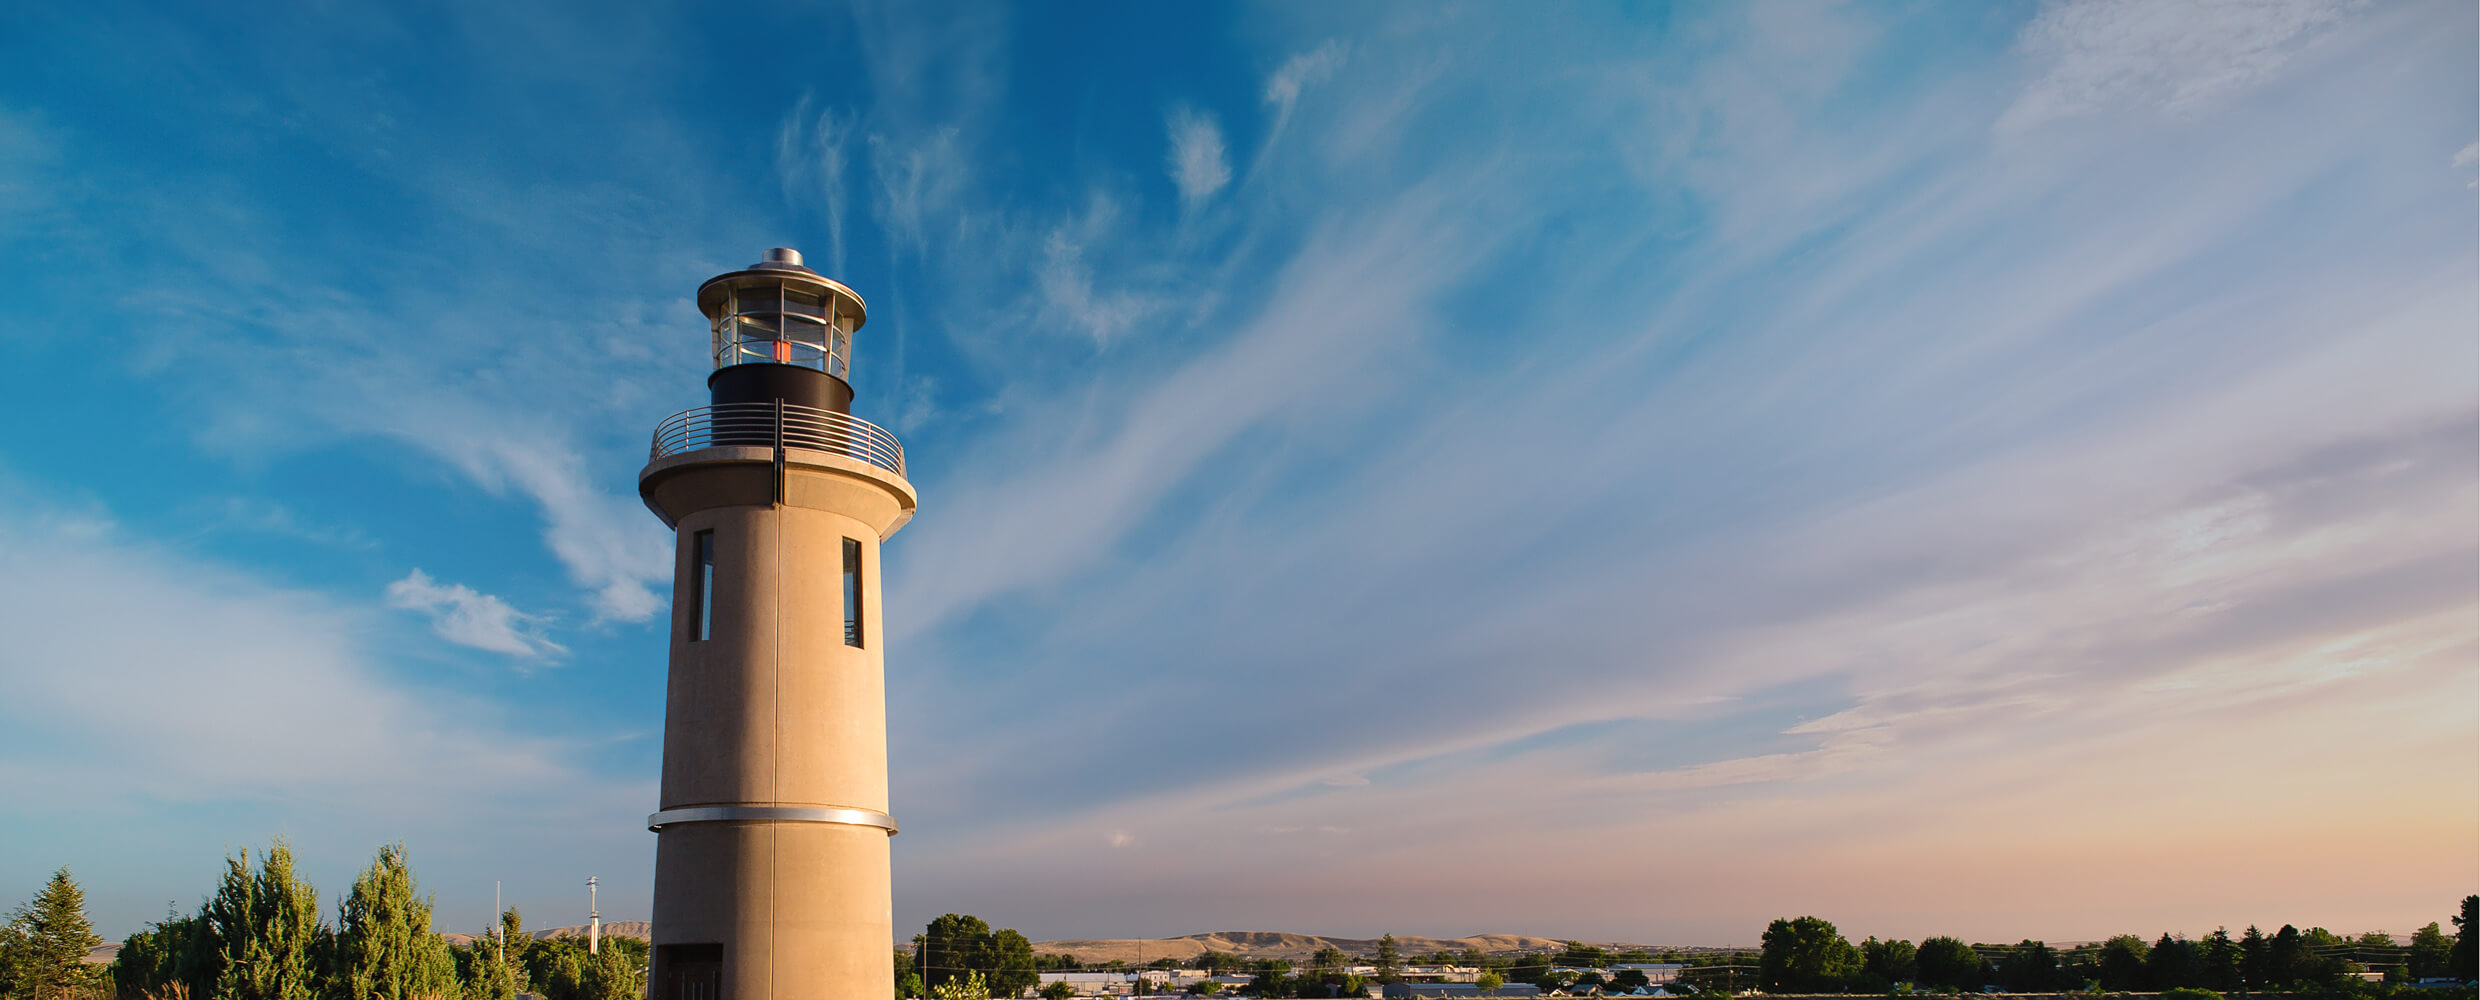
(594,919)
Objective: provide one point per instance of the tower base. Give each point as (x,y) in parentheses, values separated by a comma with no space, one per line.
(804,907)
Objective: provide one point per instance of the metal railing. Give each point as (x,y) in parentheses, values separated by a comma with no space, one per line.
(769,425)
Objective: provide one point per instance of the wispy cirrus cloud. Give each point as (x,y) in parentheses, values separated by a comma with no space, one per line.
(1199,166)
(1298,73)
(216,682)
(1925,433)
(2119,54)
(811,154)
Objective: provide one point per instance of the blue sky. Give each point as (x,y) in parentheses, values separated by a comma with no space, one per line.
(1613,472)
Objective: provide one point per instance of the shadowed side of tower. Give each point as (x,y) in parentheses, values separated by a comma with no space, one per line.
(771,856)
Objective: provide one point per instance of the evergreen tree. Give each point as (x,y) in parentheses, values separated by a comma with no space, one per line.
(1390,960)
(158,960)
(493,967)
(264,930)
(385,948)
(2463,962)
(2255,959)
(618,974)
(2220,960)
(43,954)
(557,969)
(562,969)
(2173,963)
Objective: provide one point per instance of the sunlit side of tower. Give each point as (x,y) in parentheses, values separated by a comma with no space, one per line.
(771,856)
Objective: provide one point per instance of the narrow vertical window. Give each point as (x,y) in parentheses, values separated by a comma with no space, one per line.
(852,592)
(702,616)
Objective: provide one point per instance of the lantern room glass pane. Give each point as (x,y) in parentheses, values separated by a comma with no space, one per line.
(760,298)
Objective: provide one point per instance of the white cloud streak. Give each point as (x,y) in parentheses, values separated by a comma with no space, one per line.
(610,546)
(467,617)
(1057,505)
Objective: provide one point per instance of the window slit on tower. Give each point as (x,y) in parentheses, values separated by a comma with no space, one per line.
(702,615)
(852,593)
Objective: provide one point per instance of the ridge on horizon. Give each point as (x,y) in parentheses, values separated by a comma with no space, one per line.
(1289,944)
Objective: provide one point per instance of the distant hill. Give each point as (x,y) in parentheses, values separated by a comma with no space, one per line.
(1294,947)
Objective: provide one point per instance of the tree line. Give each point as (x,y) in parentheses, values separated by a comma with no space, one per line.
(1807,955)
(262,935)
(1329,972)
(1797,955)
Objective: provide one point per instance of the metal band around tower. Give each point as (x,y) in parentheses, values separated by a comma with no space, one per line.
(772,814)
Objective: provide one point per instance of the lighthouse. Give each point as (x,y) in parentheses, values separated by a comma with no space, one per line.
(771,837)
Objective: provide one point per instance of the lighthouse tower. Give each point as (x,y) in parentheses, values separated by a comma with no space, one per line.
(771,873)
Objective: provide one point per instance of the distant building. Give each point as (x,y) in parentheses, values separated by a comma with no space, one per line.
(1427,991)
(1656,973)
(1172,977)
(1090,984)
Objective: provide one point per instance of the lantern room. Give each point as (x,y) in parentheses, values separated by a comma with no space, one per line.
(779,312)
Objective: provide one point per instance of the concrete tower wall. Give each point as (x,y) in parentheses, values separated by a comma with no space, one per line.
(775,708)
(774,711)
